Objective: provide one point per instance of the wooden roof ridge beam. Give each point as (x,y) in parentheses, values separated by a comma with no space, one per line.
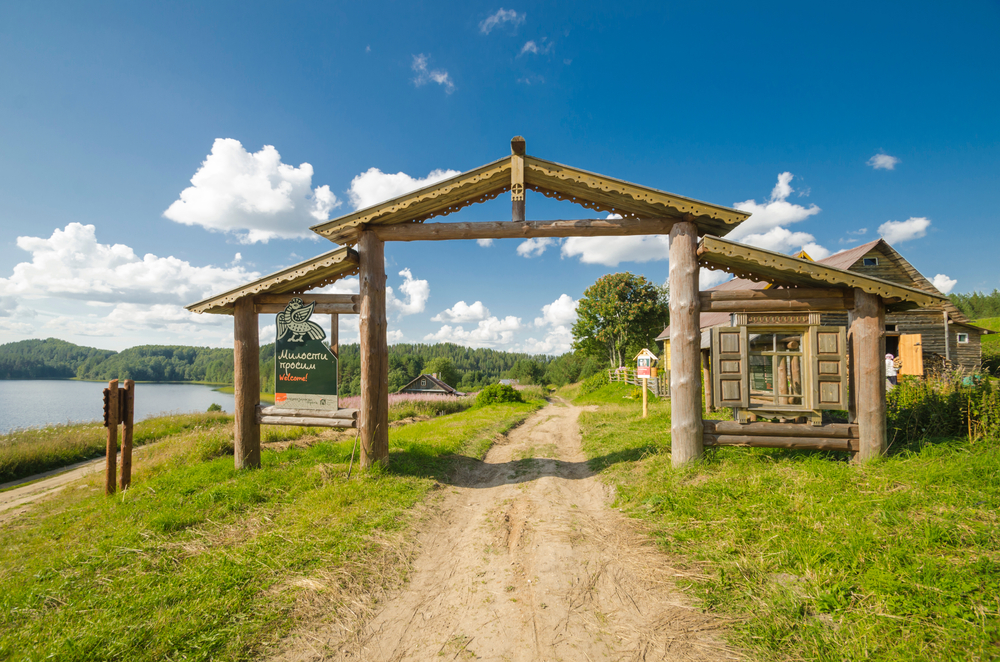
(598,227)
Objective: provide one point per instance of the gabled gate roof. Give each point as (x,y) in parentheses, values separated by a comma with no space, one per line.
(593,191)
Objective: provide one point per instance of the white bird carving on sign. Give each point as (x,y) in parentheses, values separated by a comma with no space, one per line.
(295,319)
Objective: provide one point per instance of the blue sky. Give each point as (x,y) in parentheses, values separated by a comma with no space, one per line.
(832,123)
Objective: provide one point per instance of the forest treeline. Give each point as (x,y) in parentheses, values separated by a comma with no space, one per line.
(463,367)
(977,305)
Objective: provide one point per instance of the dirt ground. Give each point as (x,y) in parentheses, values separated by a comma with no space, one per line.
(521,558)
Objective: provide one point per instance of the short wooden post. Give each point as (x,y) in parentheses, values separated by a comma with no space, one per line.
(111,453)
(128,393)
(246,382)
(374,411)
(947,342)
(335,334)
(645,385)
(685,345)
(707,379)
(867,340)
(517,148)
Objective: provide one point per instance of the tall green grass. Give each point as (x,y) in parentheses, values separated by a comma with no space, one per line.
(814,558)
(197,561)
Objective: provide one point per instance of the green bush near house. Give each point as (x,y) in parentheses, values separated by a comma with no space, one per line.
(497,394)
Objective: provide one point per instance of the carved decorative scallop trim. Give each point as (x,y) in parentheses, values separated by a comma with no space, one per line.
(408,201)
(227,300)
(583,203)
(618,187)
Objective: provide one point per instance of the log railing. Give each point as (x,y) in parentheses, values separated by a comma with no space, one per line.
(830,437)
(658,386)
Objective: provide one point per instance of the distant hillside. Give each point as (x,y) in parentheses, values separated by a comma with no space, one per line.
(46,359)
(978,304)
(468,368)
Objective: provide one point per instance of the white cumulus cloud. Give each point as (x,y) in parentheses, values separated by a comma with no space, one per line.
(426,75)
(463,312)
(485,243)
(883,162)
(611,251)
(535,246)
(254,196)
(766,226)
(500,17)
(560,312)
(944,284)
(417,292)
(708,278)
(490,332)
(71,264)
(557,320)
(896,232)
(374,186)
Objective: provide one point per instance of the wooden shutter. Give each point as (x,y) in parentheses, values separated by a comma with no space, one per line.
(828,345)
(730,367)
(912,354)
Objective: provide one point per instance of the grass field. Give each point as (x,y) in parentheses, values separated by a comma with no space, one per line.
(197,561)
(814,558)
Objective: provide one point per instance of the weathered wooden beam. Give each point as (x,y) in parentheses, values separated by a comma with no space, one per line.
(246,385)
(775,305)
(306,296)
(351,414)
(374,415)
(320,309)
(517,148)
(867,337)
(602,227)
(111,451)
(335,337)
(805,443)
(706,378)
(309,421)
(128,393)
(775,294)
(763,429)
(685,346)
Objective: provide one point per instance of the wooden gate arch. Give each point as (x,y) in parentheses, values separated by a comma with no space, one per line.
(362,234)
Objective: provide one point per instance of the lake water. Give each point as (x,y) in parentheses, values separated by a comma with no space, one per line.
(33,403)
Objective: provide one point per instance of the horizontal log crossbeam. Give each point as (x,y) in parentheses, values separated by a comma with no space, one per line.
(832,437)
(604,227)
(778,300)
(327,304)
(318,418)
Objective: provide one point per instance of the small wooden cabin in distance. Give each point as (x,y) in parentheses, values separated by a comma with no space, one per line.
(429,384)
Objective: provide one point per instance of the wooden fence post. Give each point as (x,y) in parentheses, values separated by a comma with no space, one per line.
(246,383)
(128,393)
(374,414)
(111,454)
(685,346)
(868,379)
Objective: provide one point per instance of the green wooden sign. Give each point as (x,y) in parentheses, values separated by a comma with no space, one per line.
(305,370)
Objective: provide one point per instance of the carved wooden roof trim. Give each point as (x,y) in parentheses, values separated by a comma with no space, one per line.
(759,264)
(318,272)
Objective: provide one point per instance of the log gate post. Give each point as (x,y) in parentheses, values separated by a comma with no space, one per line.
(111,421)
(128,393)
(374,411)
(246,384)
(685,345)
(867,340)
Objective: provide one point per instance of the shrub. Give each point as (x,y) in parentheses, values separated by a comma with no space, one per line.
(214,407)
(496,394)
(949,405)
(594,382)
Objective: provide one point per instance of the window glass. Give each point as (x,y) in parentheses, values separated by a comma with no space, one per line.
(776,367)
(963,337)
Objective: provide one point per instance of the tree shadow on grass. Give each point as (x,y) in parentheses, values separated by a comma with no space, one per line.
(463,471)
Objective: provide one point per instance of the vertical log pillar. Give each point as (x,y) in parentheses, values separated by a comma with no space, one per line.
(129,394)
(867,340)
(685,345)
(111,454)
(374,415)
(246,382)
(947,342)
(335,334)
(517,147)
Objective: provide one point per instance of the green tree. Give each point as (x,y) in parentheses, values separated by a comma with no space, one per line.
(444,368)
(527,371)
(619,315)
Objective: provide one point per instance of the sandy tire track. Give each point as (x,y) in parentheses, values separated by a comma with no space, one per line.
(521,559)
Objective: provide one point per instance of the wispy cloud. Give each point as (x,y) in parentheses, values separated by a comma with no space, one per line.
(463,312)
(535,48)
(374,186)
(883,162)
(501,17)
(896,232)
(426,75)
(535,246)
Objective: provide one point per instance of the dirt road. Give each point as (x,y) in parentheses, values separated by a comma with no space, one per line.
(15,501)
(522,559)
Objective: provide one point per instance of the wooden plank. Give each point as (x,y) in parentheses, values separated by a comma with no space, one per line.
(706,378)
(128,393)
(763,429)
(246,385)
(793,293)
(685,345)
(351,414)
(309,422)
(604,227)
(868,380)
(335,339)
(517,147)
(320,309)
(774,305)
(283,299)
(374,415)
(804,443)
(111,451)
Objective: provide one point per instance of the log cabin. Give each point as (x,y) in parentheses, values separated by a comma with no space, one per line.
(927,338)
(429,384)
